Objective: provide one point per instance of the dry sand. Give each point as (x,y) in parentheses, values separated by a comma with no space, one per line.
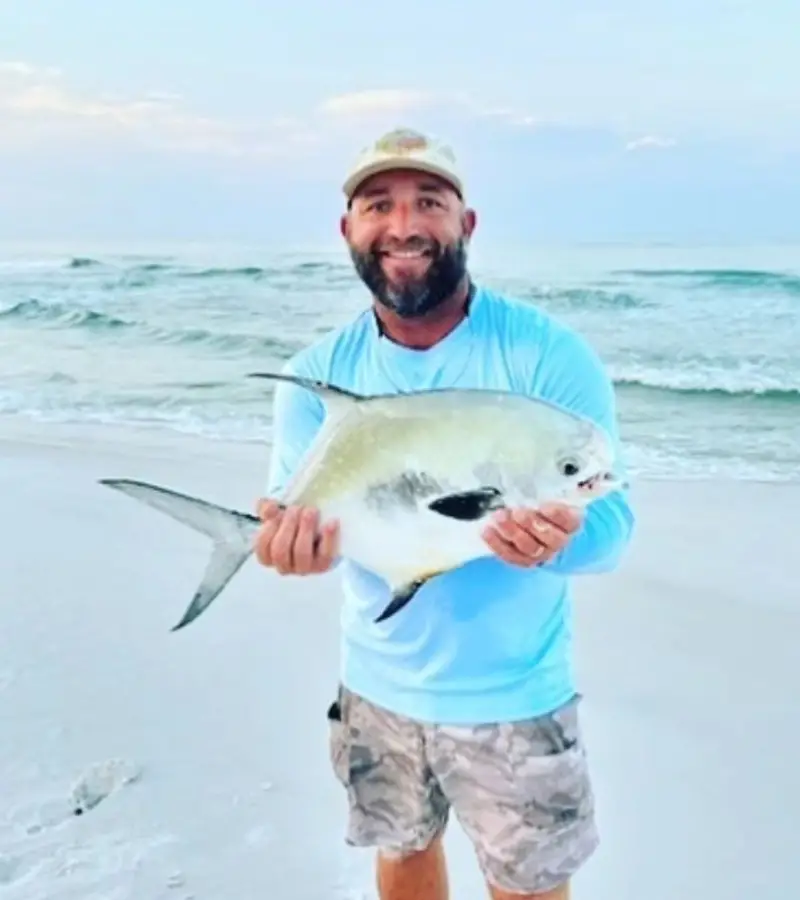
(202,754)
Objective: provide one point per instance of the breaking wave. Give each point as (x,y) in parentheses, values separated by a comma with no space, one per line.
(68,316)
(751,279)
(705,357)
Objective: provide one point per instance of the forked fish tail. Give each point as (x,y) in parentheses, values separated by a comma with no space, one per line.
(231,532)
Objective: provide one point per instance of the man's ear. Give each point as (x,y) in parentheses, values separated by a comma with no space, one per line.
(344,225)
(469,221)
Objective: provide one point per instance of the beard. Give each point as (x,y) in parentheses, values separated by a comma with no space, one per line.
(414,297)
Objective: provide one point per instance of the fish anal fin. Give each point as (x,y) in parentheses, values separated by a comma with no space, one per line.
(403,594)
(468,506)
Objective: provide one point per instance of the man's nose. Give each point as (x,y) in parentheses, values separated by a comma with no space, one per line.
(403,222)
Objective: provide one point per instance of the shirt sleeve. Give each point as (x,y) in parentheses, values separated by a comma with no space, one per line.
(571,374)
(297,416)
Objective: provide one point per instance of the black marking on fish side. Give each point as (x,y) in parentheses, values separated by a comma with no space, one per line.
(467,506)
(405,490)
(402,597)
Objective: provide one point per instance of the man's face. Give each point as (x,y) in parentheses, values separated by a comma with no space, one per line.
(408,235)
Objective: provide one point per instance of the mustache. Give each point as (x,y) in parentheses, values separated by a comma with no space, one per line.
(412,245)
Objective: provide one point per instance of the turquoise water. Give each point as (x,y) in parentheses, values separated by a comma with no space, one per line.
(703,343)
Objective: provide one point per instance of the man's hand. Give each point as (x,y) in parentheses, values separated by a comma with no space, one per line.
(292,542)
(527,537)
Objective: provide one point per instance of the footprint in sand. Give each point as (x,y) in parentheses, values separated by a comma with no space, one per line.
(100,781)
(95,784)
(9,868)
(44,848)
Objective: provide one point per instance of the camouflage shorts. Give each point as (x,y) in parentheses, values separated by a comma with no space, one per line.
(520,790)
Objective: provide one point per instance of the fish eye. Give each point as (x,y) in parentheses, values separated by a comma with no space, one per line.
(569,467)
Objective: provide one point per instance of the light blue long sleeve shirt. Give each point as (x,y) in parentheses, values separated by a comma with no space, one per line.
(489,641)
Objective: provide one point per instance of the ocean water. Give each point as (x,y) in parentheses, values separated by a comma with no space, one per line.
(703,343)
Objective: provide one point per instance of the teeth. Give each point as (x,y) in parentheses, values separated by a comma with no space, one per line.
(406,254)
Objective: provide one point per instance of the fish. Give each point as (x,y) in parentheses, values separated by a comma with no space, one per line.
(412,479)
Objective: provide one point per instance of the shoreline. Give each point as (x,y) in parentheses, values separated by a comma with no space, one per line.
(158,442)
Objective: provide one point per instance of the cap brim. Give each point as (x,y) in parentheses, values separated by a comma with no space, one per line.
(388,165)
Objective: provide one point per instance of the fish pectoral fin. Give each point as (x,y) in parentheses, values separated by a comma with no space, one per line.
(403,594)
(467,506)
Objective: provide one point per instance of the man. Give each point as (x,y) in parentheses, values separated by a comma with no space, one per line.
(464,700)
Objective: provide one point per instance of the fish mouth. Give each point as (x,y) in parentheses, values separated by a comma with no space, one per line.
(601,482)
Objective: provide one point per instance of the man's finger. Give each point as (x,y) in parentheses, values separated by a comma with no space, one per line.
(263,541)
(566,518)
(284,540)
(327,546)
(304,552)
(267,508)
(517,536)
(551,536)
(509,552)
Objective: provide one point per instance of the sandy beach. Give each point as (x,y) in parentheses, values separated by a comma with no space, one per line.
(221,788)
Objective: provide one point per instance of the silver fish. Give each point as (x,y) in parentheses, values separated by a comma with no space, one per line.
(412,479)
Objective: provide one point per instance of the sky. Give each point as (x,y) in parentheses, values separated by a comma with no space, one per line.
(237,121)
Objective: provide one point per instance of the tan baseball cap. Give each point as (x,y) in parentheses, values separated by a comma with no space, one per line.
(404,148)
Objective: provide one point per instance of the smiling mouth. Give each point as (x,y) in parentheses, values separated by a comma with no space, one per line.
(421,253)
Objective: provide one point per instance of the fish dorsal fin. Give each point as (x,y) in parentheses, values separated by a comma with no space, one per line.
(337,400)
(339,404)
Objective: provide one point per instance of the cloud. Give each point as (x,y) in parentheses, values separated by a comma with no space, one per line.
(352,120)
(40,107)
(26,70)
(389,100)
(150,163)
(393,101)
(38,102)
(650,142)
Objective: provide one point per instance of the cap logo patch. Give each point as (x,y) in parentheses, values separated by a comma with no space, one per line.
(401,143)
